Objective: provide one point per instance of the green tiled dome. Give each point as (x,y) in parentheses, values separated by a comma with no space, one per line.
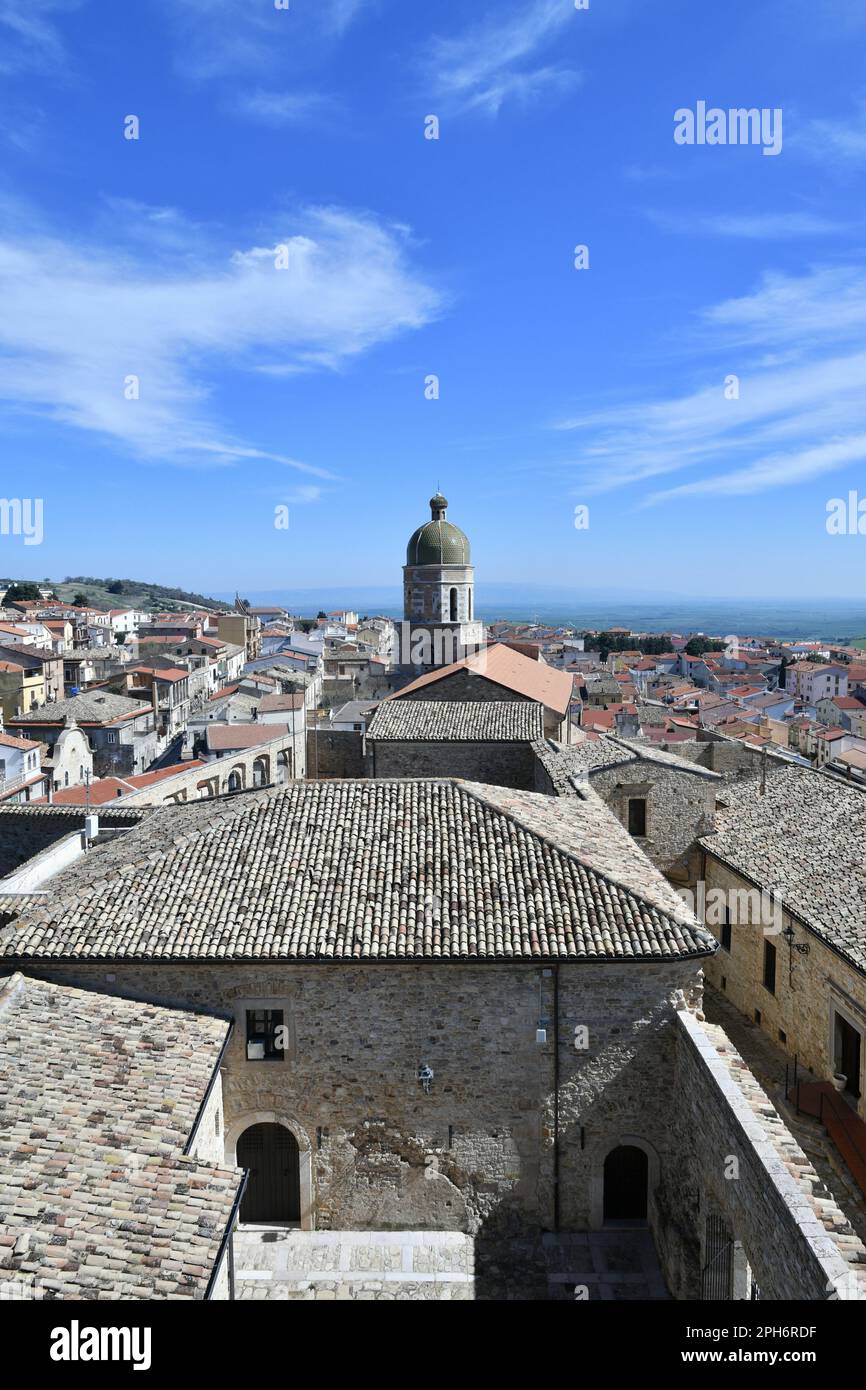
(438,542)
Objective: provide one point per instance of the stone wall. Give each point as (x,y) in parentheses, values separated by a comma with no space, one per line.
(680,807)
(737,1161)
(731,757)
(477,1153)
(810,988)
(462,685)
(501,764)
(334,753)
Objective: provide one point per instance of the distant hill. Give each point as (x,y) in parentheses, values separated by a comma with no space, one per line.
(131,593)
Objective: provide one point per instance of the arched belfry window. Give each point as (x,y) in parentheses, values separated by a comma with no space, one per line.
(469,605)
(453,605)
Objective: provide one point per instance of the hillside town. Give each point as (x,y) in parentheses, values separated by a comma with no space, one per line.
(472,954)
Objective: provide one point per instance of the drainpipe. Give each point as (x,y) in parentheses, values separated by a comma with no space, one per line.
(227,1244)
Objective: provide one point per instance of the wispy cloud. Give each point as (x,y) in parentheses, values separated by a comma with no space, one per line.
(796,346)
(79,320)
(30,41)
(497,59)
(284,108)
(225,38)
(768,226)
(833,141)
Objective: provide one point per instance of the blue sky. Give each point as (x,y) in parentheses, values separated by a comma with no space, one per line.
(304,128)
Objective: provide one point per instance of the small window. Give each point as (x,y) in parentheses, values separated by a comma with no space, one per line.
(637,816)
(783,1036)
(265,1035)
(758,1016)
(726,930)
(724,982)
(770,967)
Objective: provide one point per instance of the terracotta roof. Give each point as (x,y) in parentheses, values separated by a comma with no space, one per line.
(501,664)
(358,870)
(227,736)
(26,745)
(273,704)
(98,1098)
(106,789)
(435,721)
(169,673)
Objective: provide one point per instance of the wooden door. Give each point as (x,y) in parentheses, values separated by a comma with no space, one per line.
(270,1152)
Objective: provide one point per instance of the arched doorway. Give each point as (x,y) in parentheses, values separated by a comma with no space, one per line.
(626,1180)
(270,1152)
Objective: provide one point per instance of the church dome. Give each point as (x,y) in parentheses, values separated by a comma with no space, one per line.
(438,542)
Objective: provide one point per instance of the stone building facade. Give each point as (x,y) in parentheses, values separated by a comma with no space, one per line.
(456,1008)
(664,801)
(786,900)
(482,740)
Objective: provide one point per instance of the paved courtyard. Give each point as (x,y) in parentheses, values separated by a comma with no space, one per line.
(276,1263)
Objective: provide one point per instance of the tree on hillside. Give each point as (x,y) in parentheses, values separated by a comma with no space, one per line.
(115,587)
(22,592)
(81,601)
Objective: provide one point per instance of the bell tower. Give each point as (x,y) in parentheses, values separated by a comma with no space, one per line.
(439,623)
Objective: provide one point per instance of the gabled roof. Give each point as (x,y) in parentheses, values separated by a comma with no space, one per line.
(502,665)
(94,706)
(365,870)
(456,721)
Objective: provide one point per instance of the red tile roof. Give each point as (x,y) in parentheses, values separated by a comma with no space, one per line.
(504,666)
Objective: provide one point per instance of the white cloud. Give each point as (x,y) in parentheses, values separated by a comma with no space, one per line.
(839,142)
(495,60)
(796,345)
(29,39)
(78,320)
(771,226)
(283,108)
(222,38)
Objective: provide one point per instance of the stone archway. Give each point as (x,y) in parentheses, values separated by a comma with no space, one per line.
(622,1169)
(251,1118)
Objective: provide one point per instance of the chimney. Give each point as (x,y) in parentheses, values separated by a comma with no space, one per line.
(627,725)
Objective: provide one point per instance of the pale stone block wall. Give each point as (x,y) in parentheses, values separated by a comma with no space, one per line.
(810,987)
(476,1153)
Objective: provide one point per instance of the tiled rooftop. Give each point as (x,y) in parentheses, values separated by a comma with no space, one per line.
(98,1099)
(611,751)
(356,870)
(92,707)
(803,839)
(434,721)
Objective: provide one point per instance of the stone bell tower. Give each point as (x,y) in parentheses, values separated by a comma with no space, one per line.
(438,594)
